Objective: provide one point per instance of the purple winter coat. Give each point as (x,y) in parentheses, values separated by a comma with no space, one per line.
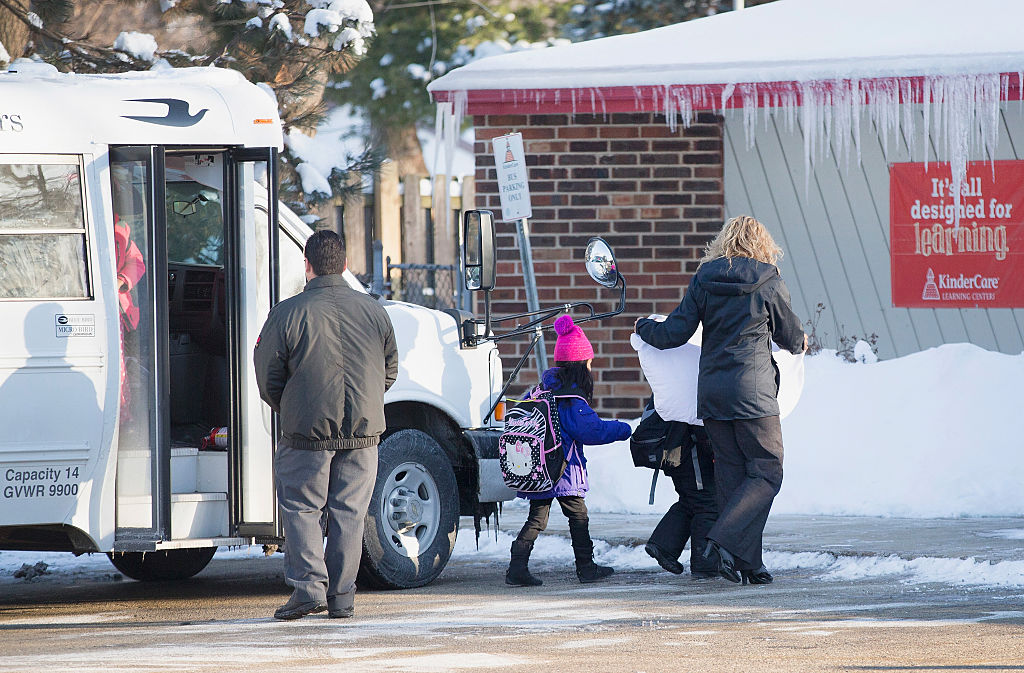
(580,425)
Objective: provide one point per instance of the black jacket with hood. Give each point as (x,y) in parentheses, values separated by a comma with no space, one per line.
(324,359)
(744,306)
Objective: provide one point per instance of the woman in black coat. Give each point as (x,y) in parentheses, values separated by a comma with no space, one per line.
(739,296)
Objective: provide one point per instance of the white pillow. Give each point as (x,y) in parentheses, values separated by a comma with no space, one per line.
(672,375)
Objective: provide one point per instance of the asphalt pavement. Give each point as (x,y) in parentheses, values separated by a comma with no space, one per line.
(851,594)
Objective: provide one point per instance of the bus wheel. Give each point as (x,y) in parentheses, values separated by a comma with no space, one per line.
(157,566)
(413,516)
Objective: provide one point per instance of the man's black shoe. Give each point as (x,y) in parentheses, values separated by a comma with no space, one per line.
(664,560)
(297,607)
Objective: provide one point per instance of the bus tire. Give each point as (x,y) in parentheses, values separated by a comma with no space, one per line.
(163,565)
(413,516)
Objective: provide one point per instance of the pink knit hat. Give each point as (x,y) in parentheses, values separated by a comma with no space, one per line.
(572,344)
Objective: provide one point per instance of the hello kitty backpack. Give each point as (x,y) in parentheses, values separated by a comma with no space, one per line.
(530,449)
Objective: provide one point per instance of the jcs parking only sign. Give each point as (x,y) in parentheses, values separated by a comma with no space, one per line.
(510,160)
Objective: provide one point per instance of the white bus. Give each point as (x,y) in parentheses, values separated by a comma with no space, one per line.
(141,248)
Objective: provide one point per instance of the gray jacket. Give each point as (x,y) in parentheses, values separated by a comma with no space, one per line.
(744,306)
(323,361)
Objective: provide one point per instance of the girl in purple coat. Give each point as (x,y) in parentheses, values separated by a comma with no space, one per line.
(580,425)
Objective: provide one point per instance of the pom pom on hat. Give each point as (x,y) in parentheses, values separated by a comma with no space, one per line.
(572,344)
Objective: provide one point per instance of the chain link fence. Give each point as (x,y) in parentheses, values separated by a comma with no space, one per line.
(437,286)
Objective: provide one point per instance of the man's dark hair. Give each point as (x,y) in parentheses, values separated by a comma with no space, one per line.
(325,251)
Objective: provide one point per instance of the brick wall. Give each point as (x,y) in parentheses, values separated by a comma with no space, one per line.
(655,195)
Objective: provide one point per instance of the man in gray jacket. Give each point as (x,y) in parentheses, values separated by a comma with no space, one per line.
(323,361)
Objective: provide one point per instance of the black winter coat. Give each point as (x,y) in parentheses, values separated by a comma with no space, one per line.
(744,306)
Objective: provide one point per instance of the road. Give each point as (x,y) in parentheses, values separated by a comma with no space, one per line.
(848,610)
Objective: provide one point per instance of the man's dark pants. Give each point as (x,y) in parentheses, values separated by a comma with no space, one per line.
(307,482)
(692,516)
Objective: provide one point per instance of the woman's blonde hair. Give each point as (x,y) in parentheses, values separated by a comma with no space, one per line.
(743,236)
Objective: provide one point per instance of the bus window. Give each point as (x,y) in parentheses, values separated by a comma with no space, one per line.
(293,266)
(42,232)
(291,258)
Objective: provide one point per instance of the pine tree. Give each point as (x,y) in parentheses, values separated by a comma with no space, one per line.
(418,41)
(294,46)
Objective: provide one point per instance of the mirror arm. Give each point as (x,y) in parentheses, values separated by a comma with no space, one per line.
(548,312)
(620,309)
(512,376)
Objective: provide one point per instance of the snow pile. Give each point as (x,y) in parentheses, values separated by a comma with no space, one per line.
(138,45)
(933,434)
(339,140)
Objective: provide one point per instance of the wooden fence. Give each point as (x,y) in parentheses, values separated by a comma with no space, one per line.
(400,211)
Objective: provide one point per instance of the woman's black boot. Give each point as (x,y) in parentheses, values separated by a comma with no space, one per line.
(759,576)
(518,574)
(726,562)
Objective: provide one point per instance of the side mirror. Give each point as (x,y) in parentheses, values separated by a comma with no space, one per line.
(601,263)
(478,249)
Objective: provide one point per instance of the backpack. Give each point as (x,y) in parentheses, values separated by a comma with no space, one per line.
(530,448)
(658,444)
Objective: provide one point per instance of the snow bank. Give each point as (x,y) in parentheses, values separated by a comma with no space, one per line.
(933,434)
(554,550)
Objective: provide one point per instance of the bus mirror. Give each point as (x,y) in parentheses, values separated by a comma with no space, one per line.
(601,262)
(478,249)
(184,208)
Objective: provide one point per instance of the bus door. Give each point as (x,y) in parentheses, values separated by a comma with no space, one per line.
(143,506)
(253,241)
(196,445)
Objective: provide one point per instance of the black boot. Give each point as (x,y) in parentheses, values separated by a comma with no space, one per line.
(726,563)
(518,574)
(583,548)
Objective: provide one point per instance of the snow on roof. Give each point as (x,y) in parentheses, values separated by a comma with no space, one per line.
(64,112)
(831,59)
(784,41)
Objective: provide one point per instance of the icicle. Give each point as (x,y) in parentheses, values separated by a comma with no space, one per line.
(809,114)
(604,107)
(670,115)
(908,115)
(748,95)
(856,98)
(726,95)
(926,107)
(441,129)
(438,129)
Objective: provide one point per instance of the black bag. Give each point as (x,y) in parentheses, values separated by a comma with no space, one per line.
(658,444)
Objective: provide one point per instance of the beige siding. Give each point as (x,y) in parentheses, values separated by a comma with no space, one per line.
(834,229)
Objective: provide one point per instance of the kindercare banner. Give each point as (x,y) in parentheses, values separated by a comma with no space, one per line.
(938,264)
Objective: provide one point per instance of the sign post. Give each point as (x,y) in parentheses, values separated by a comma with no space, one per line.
(514,191)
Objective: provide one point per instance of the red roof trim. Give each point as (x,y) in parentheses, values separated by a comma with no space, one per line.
(601,100)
